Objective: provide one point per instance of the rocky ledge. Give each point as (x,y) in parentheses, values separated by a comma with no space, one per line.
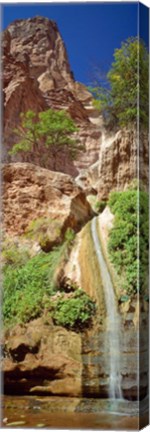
(31,193)
(43,359)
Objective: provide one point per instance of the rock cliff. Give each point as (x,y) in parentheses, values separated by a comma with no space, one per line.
(37,76)
(43,359)
(31,193)
(54,360)
(118,161)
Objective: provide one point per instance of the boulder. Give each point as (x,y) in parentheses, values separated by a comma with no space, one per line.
(45,361)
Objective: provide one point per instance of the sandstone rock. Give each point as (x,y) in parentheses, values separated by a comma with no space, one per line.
(55,366)
(118,161)
(40,35)
(31,193)
(41,358)
(35,58)
(68,363)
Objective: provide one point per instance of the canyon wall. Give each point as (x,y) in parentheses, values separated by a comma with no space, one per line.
(37,76)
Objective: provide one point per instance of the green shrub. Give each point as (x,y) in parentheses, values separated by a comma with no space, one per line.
(14,255)
(123,238)
(100,206)
(46,231)
(144,243)
(69,235)
(24,286)
(74,312)
(29,289)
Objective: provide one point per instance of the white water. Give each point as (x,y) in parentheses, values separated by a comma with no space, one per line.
(113,322)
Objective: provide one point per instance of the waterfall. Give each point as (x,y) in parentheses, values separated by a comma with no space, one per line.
(113,322)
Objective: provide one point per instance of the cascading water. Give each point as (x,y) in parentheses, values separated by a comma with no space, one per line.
(113,322)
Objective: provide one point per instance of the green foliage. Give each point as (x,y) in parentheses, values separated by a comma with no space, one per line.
(74,312)
(100,206)
(28,133)
(127,77)
(53,128)
(25,285)
(123,238)
(46,231)
(57,128)
(144,243)
(14,255)
(69,235)
(29,289)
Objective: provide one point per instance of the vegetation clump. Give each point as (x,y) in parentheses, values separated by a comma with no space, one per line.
(25,285)
(53,129)
(14,255)
(116,97)
(30,288)
(97,205)
(46,231)
(100,206)
(131,221)
(75,311)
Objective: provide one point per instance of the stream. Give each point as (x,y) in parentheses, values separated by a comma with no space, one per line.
(113,322)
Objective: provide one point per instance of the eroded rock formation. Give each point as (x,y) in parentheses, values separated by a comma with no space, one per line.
(31,192)
(42,359)
(37,76)
(118,161)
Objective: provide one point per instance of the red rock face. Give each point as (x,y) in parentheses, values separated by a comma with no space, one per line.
(118,162)
(43,365)
(31,192)
(37,76)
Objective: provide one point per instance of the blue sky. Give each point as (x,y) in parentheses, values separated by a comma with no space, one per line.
(90,31)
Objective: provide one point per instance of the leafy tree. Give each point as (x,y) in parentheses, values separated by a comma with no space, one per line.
(126,81)
(56,127)
(52,128)
(28,132)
